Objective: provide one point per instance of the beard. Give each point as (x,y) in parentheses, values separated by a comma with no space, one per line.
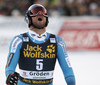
(40,23)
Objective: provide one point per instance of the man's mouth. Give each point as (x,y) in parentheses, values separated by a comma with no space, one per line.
(39,19)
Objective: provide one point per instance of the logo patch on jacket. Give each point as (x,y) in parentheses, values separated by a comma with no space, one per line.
(52,40)
(26,39)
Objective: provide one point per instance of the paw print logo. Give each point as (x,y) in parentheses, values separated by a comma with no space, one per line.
(50,48)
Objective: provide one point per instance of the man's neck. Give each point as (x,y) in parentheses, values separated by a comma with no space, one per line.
(38,31)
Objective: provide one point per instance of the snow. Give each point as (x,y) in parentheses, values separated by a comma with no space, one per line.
(86,64)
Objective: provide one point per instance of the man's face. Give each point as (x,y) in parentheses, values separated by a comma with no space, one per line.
(39,20)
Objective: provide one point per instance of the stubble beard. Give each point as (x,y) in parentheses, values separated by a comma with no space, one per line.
(40,23)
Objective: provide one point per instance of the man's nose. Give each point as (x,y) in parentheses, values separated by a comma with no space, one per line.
(40,13)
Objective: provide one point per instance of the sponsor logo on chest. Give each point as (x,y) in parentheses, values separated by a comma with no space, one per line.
(37,51)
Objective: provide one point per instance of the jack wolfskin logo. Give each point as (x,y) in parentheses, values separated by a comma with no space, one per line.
(37,52)
(51,48)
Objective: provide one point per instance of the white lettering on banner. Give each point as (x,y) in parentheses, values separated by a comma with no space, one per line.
(98,34)
(81,38)
(36,74)
(15,43)
(86,39)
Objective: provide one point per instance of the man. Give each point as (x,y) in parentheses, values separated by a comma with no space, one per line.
(36,52)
